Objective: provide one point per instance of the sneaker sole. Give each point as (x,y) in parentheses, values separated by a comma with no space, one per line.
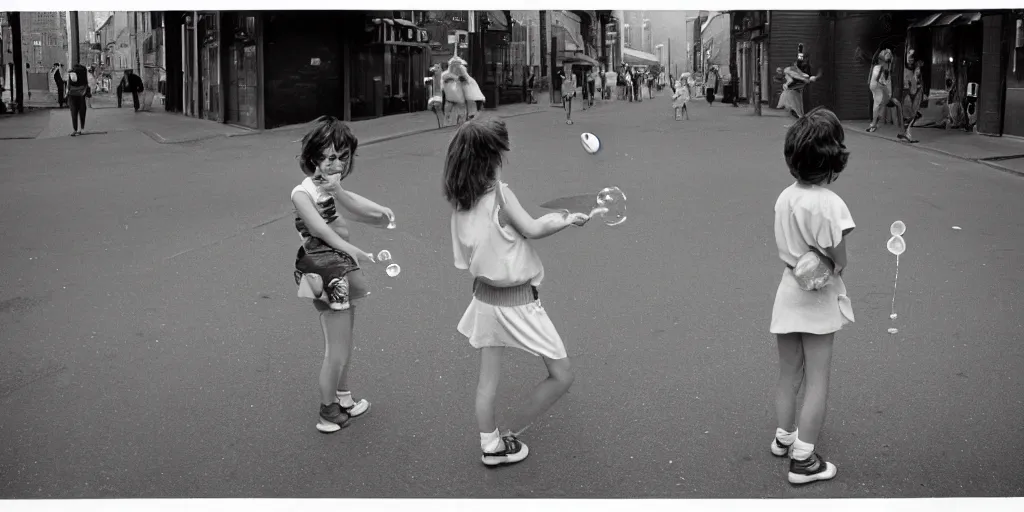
(356,411)
(506,459)
(328,427)
(828,474)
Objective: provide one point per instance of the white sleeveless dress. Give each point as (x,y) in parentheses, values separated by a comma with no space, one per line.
(501,257)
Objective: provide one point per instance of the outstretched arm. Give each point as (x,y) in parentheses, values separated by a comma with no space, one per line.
(542,227)
(362,209)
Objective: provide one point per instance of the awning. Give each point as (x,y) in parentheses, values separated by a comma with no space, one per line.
(580,58)
(405,23)
(638,58)
(940,19)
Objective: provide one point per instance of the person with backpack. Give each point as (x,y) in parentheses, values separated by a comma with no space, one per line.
(78,89)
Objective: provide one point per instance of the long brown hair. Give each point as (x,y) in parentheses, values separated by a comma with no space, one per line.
(474,155)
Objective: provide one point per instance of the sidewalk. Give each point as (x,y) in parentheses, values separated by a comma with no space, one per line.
(1004,153)
(172,128)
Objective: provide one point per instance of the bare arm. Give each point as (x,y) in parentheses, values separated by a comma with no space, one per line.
(318,228)
(362,209)
(529,227)
(838,253)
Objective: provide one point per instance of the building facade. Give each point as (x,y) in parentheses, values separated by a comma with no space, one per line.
(968,60)
(44,41)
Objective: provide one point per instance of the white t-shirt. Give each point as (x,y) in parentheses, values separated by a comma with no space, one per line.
(809,216)
(500,256)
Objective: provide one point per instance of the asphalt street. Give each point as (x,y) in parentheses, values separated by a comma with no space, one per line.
(151,344)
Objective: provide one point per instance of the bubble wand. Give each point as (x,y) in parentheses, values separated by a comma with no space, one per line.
(897,246)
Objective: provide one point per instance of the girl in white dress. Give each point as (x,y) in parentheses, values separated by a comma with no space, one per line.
(489,239)
(808,217)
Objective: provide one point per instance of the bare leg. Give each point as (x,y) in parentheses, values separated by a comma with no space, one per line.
(817,367)
(337,329)
(487,387)
(349,339)
(791,376)
(560,377)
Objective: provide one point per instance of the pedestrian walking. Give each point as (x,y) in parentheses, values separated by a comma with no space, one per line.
(592,78)
(809,217)
(78,87)
(711,84)
(122,87)
(568,91)
(489,239)
(58,80)
(679,99)
(92,86)
(531,83)
(327,264)
(135,86)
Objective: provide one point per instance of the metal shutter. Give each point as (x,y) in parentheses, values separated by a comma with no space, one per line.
(787,30)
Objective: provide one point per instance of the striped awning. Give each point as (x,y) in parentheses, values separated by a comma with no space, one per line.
(638,58)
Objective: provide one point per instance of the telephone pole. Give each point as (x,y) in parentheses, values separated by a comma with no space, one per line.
(73,41)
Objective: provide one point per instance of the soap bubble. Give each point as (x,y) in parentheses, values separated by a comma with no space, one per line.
(591,144)
(384,255)
(813,271)
(611,204)
(393,270)
(896,245)
(898,228)
(893,330)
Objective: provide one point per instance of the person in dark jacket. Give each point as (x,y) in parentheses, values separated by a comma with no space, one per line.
(78,85)
(135,86)
(58,80)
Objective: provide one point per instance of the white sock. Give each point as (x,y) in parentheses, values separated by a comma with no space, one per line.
(786,438)
(802,450)
(345,399)
(490,441)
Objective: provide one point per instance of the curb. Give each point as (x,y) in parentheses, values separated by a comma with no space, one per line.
(162,140)
(927,149)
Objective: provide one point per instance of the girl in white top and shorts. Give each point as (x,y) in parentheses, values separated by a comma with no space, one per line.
(809,217)
(489,238)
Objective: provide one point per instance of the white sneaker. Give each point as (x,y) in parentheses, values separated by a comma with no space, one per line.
(513,451)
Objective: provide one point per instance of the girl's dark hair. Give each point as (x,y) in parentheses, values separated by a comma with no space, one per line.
(474,155)
(814,147)
(327,132)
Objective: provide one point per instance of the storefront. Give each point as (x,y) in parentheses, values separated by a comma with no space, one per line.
(388,71)
(950,47)
(1012,26)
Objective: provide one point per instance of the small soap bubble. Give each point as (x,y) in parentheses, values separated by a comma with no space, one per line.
(896,245)
(893,330)
(898,228)
(384,255)
(893,316)
(393,270)
(613,202)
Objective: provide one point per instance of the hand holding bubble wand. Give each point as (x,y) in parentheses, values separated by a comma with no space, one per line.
(897,246)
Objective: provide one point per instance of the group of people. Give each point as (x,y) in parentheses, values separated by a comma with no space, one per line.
(76,91)
(490,236)
(797,76)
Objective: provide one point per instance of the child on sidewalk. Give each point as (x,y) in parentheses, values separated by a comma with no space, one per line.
(679,99)
(809,216)
(328,262)
(489,238)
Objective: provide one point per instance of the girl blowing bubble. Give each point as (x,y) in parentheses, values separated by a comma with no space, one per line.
(809,217)
(489,238)
(327,263)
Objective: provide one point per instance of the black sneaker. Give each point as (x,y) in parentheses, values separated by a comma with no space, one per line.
(332,418)
(812,469)
(514,451)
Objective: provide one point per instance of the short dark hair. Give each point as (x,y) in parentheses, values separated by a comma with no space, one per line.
(327,132)
(814,147)
(473,158)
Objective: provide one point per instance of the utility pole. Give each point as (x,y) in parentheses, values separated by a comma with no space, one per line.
(19,67)
(757,79)
(73,42)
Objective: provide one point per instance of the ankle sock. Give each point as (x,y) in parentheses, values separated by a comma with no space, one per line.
(802,450)
(490,441)
(345,399)
(784,437)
